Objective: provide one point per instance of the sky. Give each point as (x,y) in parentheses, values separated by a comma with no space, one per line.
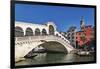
(63,17)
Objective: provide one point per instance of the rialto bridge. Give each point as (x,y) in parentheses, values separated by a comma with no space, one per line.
(30,35)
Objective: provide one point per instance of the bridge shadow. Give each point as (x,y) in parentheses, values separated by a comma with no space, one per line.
(54,47)
(49,47)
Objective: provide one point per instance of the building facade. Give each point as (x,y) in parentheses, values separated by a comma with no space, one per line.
(71,35)
(85,36)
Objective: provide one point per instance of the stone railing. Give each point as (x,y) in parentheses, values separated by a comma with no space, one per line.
(46,38)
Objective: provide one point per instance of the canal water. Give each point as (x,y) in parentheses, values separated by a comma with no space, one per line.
(46,58)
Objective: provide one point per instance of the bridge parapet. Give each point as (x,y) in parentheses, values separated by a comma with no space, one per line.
(35,38)
(45,38)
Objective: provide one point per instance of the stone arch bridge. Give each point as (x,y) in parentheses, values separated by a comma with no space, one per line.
(28,36)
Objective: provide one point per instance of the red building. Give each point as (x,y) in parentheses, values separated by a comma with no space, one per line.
(85,36)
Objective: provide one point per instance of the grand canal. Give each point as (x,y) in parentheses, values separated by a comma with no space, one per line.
(49,58)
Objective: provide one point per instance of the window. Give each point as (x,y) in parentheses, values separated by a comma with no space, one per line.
(29,32)
(19,32)
(68,37)
(68,34)
(73,37)
(37,31)
(72,40)
(44,32)
(51,30)
(72,34)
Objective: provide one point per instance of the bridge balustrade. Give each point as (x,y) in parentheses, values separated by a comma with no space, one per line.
(39,38)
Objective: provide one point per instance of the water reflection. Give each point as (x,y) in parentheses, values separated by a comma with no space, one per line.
(46,58)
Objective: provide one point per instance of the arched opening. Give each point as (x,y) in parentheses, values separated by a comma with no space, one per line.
(19,32)
(44,32)
(37,31)
(29,32)
(51,30)
(53,46)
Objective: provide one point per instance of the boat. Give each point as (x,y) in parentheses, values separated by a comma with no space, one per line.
(31,54)
(83,53)
(39,49)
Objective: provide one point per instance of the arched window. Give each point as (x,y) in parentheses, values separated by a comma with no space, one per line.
(19,32)
(29,32)
(51,30)
(44,32)
(37,31)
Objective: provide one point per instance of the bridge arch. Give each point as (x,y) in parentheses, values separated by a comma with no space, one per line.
(37,31)
(29,32)
(44,32)
(51,30)
(54,46)
(50,42)
(19,32)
